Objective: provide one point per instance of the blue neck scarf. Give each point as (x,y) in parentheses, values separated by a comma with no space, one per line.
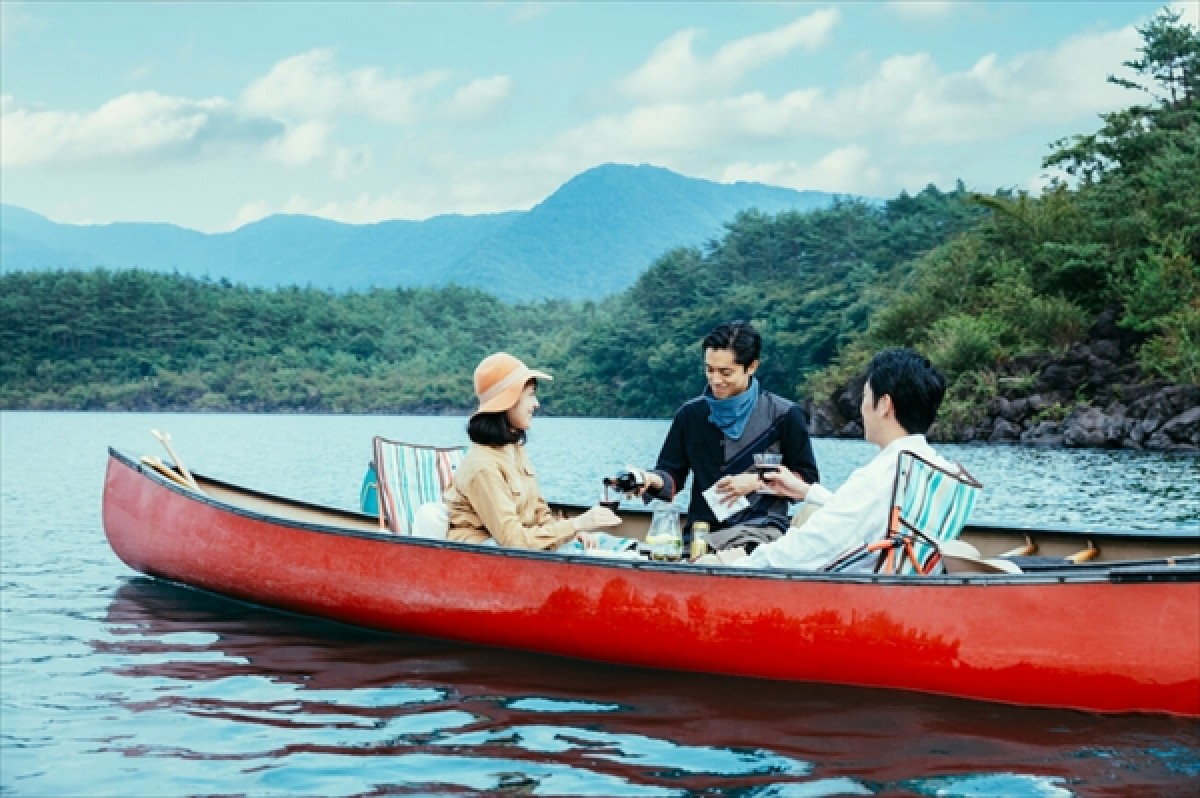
(732,414)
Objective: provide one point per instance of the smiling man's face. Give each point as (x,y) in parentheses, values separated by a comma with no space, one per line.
(726,377)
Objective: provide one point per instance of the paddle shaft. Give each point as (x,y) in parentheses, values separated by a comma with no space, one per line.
(165,440)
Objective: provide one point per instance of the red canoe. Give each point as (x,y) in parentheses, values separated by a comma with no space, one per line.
(1105,636)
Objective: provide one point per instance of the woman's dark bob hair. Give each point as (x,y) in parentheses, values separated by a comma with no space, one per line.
(493,429)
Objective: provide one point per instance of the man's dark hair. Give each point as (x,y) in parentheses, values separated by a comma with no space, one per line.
(916,387)
(493,429)
(738,336)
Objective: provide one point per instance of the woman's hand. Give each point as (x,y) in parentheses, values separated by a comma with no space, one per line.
(732,488)
(783,482)
(598,517)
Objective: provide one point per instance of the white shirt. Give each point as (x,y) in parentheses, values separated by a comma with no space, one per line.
(855,514)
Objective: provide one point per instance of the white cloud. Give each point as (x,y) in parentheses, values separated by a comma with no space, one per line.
(250,212)
(908,100)
(648,133)
(923,9)
(522,13)
(445,183)
(674,72)
(363,209)
(300,144)
(911,98)
(309,86)
(15,20)
(993,98)
(846,170)
(1038,182)
(142,125)
(287,116)
(417,202)
(884,130)
(349,161)
(1189,11)
(479,98)
(658,133)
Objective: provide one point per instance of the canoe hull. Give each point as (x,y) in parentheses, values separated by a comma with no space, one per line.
(1090,645)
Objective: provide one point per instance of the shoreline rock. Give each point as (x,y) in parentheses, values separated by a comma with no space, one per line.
(1094,395)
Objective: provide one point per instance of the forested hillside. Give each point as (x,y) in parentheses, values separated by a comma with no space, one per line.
(808,281)
(137,340)
(132,339)
(1003,291)
(1118,241)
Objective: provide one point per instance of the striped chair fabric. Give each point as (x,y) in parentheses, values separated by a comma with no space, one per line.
(410,475)
(930,506)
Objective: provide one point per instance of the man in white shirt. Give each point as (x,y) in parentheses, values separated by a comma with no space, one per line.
(900,401)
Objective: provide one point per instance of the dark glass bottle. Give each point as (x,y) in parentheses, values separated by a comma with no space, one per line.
(624,482)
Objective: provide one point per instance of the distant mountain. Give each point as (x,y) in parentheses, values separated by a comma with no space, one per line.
(590,238)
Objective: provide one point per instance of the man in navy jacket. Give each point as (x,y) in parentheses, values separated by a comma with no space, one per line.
(716,435)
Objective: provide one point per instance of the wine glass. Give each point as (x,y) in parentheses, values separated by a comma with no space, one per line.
(767,461)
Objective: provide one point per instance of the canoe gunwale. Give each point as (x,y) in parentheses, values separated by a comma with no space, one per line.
(1157,570)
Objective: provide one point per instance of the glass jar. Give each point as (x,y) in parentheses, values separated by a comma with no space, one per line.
(665,537)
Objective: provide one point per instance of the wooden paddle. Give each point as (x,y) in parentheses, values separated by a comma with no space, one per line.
(1084,555)
(1028,550)
(165,440)
(164,469)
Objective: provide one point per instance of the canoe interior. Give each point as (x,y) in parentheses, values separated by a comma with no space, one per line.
(992,540)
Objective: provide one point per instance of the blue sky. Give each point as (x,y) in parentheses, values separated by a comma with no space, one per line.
(217,114)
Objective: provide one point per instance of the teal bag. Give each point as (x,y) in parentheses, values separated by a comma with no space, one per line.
(368,494)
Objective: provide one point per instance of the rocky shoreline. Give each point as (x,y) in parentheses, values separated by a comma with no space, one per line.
(1092,396)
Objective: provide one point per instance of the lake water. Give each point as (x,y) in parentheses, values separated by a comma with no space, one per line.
(115,684)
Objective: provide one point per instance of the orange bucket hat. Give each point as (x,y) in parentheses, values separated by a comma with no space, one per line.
(499,380)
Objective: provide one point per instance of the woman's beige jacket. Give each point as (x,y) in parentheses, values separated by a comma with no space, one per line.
(495,495)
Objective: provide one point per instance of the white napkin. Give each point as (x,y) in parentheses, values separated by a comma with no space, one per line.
(719,508)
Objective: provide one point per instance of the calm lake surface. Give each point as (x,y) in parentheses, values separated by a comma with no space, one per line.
(115,684)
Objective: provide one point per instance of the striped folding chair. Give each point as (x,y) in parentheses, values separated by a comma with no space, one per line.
(409,475)
(930,506)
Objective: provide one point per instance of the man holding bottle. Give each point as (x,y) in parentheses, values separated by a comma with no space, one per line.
(716,436)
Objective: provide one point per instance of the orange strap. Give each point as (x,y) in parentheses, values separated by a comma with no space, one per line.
(894,520)
(891,544)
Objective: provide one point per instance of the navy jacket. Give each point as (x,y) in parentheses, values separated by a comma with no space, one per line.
(696,445)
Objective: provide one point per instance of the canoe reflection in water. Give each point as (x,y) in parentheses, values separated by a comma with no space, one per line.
(269,702)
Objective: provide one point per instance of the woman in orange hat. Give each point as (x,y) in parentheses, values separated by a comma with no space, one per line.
(495,495)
